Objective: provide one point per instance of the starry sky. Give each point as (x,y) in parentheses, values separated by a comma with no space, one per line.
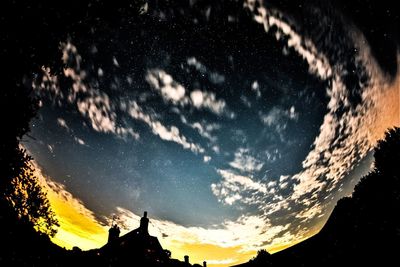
(236,125)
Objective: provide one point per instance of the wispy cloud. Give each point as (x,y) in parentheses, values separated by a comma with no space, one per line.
(204,128)
(92,103)
(206,158)
(169,134)
(173,92)
(170,90)
(208,100)
(269,18)
(79,141)
(245,162)
(255,87)
(101,110)
(277,116)
(213,76)
(234,187)
(62,123)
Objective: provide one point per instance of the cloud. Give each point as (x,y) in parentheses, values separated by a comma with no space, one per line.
(317,62)
(105,114)
(293,114)
(93,104)
(255,86)
(169,134)
(208,100)
(62,123)
(204,128)
(234,187)
(170,90)
(98,109)
(173,92)
(206,158)
(79,141)
(310,212)
(50,148)
(213,76)
(192,61)
(244,162)
(277,116)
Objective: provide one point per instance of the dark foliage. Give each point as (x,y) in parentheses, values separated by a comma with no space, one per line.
(27,198)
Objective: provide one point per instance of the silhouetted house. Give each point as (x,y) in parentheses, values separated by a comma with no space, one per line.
(137,246)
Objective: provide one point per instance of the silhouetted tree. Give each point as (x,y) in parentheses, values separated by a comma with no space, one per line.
(263,258)
(387,153)
(29,201)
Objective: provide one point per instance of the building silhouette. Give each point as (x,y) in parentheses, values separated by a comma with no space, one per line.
(137,245)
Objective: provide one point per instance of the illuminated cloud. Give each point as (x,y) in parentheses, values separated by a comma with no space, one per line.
(206,158)
(169,134)
(208,100)
(234,187)
(204,128)
(277,115)
(92,103)
(213,76)
(310,212)
(243,161)
(255,86)
(169,89)
(79,141)
(192,61)
(172,91)
(62,123)
(318,64)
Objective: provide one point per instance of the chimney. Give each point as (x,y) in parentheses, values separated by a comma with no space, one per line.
(144,223)
(186,259)
(113,234)
(204,264)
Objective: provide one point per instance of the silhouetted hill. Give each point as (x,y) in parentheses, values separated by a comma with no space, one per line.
(362,228)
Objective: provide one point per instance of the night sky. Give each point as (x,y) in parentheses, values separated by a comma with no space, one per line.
(237,126)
